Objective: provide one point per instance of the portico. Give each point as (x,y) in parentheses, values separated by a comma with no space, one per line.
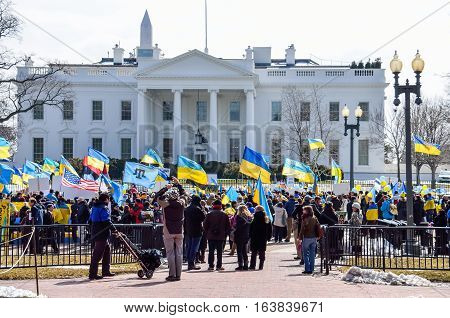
(193,92)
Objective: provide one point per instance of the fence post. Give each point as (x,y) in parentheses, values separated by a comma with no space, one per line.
(384,259)
(36,241)
(327,252)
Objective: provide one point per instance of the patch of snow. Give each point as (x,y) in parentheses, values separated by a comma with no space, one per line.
(12,292)
(370,276)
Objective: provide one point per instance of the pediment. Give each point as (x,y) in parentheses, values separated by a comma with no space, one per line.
(195,64)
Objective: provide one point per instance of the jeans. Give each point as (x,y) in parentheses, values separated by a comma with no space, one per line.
(309,245)
(192,245)
(278,233)
(212,246)
(174,250)
(242,256)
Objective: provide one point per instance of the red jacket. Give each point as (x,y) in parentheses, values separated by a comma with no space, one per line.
(136,211)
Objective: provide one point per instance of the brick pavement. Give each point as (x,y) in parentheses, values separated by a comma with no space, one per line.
(281,277)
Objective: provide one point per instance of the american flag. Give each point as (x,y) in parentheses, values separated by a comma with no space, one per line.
(73,181)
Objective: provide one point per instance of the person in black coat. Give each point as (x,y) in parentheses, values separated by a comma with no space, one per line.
(401,209)
(260,233)
(418,210)
(194,216)
(242,235)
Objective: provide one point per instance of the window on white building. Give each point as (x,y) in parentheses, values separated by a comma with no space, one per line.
(334,111)
(68,148)
(234,150)
(97,110)
(126,110)
(125,148)
(167,149)
(38,110)
(305,111)
(365,108)
(334,151)
(276,111)
(97,144)
(68,110)
(235,111)
(38,149)
(167,111)
(202,111)
(275,156)
(363,152)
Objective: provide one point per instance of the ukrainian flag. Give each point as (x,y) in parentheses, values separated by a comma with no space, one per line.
(96,161)
(259,197)
(254,165)
(372,212)
(17,177)
(426,147)
(190,170)
(162,176)
(299,170)
(336,172)
(230,195)
(6,172)
(33,170)
(151,158)
(316,144)
(429,204)
(3,188)
(50,166)
(4,148)
(65,164)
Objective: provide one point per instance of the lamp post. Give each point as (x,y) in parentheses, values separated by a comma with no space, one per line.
(396,67)
(351,127)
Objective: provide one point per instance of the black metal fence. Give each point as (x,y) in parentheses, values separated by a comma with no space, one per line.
(382,247)
(68,245)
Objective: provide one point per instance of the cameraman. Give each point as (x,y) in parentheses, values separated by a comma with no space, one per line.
(169,199)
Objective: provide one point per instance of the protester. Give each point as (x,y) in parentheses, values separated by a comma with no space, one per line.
(242,235)
(217,227)
(309,234)
(260,234)
(280,222)
(193,218)
(101,231)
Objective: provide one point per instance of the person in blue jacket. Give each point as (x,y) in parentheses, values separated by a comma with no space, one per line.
(101,231)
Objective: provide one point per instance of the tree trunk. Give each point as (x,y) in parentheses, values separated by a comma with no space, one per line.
(433,176)
(418,174)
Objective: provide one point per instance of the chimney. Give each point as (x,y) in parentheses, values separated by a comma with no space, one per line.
(118,55)
(290,55)
(249,54)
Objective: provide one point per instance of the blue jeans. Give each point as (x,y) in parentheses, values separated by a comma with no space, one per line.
(192,245)
(309,245)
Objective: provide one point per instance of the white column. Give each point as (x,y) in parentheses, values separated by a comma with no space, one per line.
(176,123)
(213,129)
(140,120)
(250,119)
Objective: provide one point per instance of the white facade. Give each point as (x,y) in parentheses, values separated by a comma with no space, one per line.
(150,83)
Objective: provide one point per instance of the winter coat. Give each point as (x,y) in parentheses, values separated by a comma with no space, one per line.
(401,208)
(101,222)
(217,225)
(386,210)
(260,232)
(290,207)
(193,219)
(242,229)
(83,213)
(280,218)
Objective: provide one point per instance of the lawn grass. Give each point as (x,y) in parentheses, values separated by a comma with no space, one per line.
(61,272)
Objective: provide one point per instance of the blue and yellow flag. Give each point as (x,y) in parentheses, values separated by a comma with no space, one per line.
(425,147)
(6,172)
(139,174)
(162,175)
(33,170)
(372,212)
(259,197)
(151,158)
(65,164)
(429,204)
(17,177)
(298,170)
(230,195)
(50,166)
(190,170)
(3,188)
(254,165)
(336,172)
(316,144)
(4,149)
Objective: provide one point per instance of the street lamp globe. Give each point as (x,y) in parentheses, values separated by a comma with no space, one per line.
(396,64)
(345,112)
(358,112)
(418,63)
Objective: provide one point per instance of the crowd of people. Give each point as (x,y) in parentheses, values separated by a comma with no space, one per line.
(196,223)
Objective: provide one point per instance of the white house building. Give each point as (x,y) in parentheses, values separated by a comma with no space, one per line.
(124,105)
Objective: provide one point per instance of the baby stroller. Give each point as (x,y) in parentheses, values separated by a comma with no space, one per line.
(149,260)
